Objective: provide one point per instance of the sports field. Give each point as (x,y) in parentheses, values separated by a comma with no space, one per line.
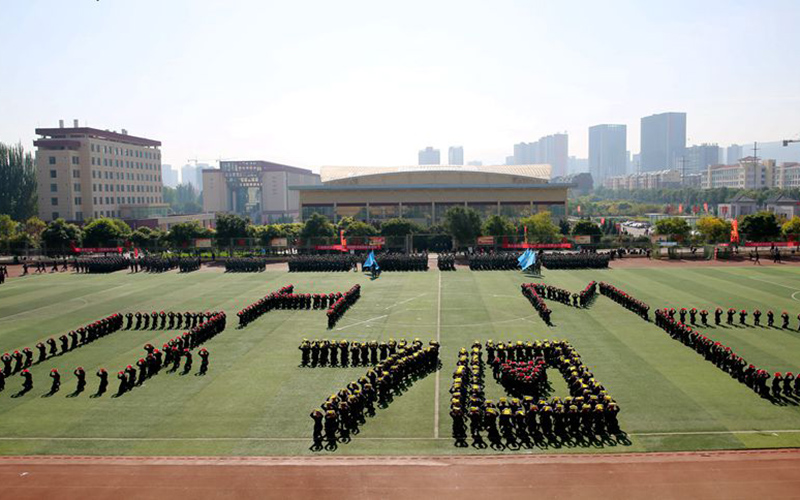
(255,399)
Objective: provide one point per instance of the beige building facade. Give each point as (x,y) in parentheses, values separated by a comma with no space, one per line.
(424,194)
(86,173)
(258,189)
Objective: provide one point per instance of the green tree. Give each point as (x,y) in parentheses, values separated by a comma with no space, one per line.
(141,238)
(17,182)
(290,229)
(265,233)
(541,228)
(791,228)
(359,228)
(104,232)
(463,224)
(8,227)
(497,225)
(231,226)
(58,235)
(760,226)
(675,228)
(318,226)
(399,227)
(183,234)
(714,229)
(585,227)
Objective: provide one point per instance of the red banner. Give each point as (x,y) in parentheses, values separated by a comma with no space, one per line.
(537,245)
(485,240)
(98,250)
(345,248)
(772,244)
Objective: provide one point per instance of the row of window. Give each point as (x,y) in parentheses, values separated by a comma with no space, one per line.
(123,164)
(129,176)
(52,161)
(150,155)
(99,188)
(119,200)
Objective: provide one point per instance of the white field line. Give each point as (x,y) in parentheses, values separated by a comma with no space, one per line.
(308,438)
(407,300)
(438,338)
(361,322)
(82,299)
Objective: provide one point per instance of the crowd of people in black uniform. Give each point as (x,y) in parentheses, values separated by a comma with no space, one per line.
(246,265)
(342,413)
(589,411)
(580,260)
(402,261)
(501,261)
(625,300)
(189,264)
(335,304)
(446,261)
(345,353)
(21,361)
(155,264)
(550,292)
(164,320)
(172,353)
(323,263)
(538,303)
(101,265)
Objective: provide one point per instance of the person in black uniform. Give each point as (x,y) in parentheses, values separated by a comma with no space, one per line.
(56,385)
(80,374)
(203,361)
(102,374)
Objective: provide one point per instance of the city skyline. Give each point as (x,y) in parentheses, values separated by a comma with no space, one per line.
(274,109)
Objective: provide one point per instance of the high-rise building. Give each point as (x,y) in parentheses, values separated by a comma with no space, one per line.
(169,175)
(193,174)
(733,154)
(455,155)
(699,158)
(526,153)
(663,141)
(608,151)
(578,165)
(554,150)
(85,172)
(429,156)
(258,189)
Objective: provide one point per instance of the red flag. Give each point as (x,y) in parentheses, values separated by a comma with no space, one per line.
(734,231)
(135,252)
(341,237)
(680,208)
(579,209)
(526,232)
(602,220)
(705,207)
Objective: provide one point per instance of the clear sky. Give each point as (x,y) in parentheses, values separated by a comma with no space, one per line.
(370,83)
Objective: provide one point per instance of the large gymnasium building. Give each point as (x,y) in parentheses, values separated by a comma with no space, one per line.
(424,193)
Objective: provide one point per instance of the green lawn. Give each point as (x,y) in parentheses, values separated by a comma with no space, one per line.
(255,399)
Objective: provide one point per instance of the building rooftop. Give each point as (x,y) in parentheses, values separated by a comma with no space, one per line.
(398,187)
(60,133)
(535,172)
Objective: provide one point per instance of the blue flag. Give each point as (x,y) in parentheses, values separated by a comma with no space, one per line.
(524,256)
(531,260)
(371,262)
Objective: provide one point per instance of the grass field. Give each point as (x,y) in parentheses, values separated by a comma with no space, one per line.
(255,399)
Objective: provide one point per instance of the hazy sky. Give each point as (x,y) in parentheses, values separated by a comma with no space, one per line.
(371,83)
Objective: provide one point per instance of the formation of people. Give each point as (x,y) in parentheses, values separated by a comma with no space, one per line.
(530,293)
(579,260)
(101,265)
(246,265)
(727,359)
(275,300)
(580,299)
(342,304)
(528,415)
(346,353)
(323,263)
(501,261)
(731,316)
(446,261)
(172,353)
(155,264)
(41,266)
(625,300)
(189,264)
(342,413)
(164,320)
(389,261)
(18,361)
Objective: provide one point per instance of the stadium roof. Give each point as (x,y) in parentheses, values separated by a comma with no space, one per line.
(540,172)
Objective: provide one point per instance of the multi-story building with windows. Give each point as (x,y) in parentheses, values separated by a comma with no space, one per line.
(85,172)
(749,173)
